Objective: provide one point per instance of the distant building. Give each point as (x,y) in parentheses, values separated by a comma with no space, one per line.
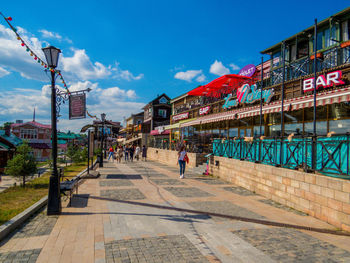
(66,138)
(38,137)
(156,116)
(8,145)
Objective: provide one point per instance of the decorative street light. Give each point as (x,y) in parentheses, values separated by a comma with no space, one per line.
(103,119)
(54,199)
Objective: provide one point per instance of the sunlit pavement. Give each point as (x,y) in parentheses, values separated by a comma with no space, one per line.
(94,230)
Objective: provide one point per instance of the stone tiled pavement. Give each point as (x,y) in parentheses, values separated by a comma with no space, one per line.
(100,231)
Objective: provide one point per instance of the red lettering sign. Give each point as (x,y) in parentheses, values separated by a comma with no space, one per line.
(324,81)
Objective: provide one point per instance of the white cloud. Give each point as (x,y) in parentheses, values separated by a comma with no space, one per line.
(15,58)
(52,35)
(48,34)
(3,72)
(234,66)
(189,75)
(201,78)
(80,66)
(218,68)
(116,93)
(124,74)
(114,101)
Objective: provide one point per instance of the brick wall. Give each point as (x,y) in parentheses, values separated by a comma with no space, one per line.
(320,196)
(169,157)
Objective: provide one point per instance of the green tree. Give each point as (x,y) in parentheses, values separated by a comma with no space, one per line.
(22,164)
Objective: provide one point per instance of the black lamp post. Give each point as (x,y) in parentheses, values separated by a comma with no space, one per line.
(103,119)
(54,199)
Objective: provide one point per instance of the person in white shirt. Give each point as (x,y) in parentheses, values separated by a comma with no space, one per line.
(182,162)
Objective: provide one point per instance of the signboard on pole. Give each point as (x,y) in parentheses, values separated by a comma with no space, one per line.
(91,143)
(77,106)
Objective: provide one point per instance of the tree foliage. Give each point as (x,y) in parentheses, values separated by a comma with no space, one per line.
(23,163)
(76,154)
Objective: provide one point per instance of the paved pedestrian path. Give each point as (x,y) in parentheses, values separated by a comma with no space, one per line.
(103,230)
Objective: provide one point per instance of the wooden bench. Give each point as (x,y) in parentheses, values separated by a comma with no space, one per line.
(69,186)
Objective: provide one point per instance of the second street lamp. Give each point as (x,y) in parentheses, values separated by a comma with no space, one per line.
(103,119)
(54,198)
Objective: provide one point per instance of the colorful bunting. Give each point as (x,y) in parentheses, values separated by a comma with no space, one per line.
(39,60)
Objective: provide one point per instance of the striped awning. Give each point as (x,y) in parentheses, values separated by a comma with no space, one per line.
(328,97)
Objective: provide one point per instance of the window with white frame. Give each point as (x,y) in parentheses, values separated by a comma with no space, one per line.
(162,113)
(29,134)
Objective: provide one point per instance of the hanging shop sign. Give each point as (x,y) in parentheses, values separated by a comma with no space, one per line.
(77,106)
(204,110)
(247,71)
(324,81)
(181,116)
(248,94)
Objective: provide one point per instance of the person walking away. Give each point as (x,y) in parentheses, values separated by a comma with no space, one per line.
(182,159)
(111,153)
(119,154)
(126,153)
(144,153)
(137,152)
(131,152)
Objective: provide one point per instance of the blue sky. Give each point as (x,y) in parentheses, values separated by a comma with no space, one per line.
(130,51)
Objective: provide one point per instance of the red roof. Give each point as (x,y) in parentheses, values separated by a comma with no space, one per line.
(223,85)
(33,123)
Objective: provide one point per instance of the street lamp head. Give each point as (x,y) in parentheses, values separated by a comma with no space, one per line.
(103,116)
(51,54)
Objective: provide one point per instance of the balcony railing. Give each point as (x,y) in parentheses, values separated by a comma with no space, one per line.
(332,155)
(330,58)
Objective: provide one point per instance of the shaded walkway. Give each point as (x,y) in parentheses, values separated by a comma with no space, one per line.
(98,229)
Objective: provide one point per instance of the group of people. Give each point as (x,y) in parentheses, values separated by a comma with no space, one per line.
(129,152)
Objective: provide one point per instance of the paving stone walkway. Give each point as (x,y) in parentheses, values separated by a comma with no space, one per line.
(101,231)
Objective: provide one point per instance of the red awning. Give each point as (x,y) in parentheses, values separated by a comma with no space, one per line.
(327,97)
(223,85)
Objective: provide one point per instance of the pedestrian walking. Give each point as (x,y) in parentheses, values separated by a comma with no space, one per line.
(137,152)
(119,154)
(126,153)
(182,159)
(131,153)
(144,153)
(111,153)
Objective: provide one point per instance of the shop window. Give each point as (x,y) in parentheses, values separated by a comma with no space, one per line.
(256,131)
(274,130)
(345,30)
(276,59)
(293,122)
(339,110)
(216,133)
(233,132)
(162,113)
(339,126)
(224,133)
(303,49)
(293,52)
(321,128)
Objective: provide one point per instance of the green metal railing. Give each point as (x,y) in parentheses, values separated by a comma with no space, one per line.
(330,154)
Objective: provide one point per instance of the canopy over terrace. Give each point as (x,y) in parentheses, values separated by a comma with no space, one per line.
(222,85)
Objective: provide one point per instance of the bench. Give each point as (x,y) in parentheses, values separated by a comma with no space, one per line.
(69,186)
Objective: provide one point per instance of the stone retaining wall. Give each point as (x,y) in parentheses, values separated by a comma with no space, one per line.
(323,197)
(169,157)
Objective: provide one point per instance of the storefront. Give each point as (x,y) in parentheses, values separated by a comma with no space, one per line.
(237,114)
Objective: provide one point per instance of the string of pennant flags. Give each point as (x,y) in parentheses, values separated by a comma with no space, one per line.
(32,53)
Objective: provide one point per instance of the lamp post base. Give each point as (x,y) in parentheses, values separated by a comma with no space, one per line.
(54,200)
(101,160)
